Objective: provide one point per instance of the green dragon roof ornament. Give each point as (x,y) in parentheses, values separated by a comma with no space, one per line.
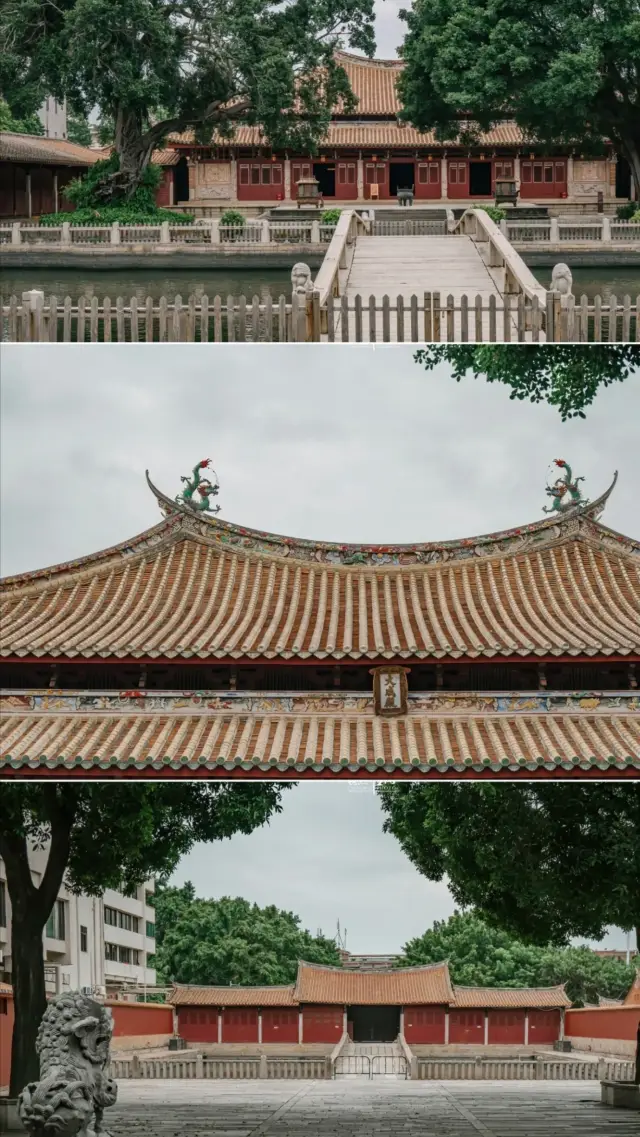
(564,493)
(200,486)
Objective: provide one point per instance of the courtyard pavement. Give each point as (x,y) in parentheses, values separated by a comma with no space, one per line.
(359,1108)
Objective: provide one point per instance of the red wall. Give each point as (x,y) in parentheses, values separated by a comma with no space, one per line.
(280,1024)
(544,1026)
(603,1022)
(551,175)
(466,1026)
(141,1018)
(506,1027)
(424,1024)
(250,189)
(240,1024)
(6,1031)
(322,1024)
(198,1024)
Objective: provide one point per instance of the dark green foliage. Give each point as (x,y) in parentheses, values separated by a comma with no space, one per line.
(93,207)
(232,217)
(101,836)
(482,955)
(217,942)
(495,212)
(568,377)
(543,862)
(124,213)
(625,212)
(78,130)
(159,66)
(566,71)
(29,124)
(331,216)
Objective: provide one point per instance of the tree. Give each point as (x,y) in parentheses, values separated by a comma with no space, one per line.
(568,73)
(482,955)
(163,66)
(566,377)
(78,130)
(101,836)
(545,862)
(29,125)
(217,942)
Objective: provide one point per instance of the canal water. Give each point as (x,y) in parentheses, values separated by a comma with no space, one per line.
(62,282)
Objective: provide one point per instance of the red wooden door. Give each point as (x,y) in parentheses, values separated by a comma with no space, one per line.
(466,1026)
(457,178)
(260,181)
(240,1024)
(543,177)
(279,1024)
(506,1027)
(428,181)
(376,174)
(322,1024)
(544,1026)
(424,1024)
(198,1024)
(347,180)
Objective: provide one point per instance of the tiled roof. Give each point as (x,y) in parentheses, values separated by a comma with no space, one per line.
(296,742)
(166,157)
(511,997)
(632,998)
(6,989)
(408,986)
(604,1002)
(187,996)
(373,82)
(46,151)
(368,135)
(562,586)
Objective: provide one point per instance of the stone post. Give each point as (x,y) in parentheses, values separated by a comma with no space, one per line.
(234,180)
(265,234)
(360,179)
(15,233)
(503,228)
(315,232)
(287,179)
(539,1067)
(66,233)
(554,235)
(165,235)
(33,303)
(135,1066)
(444,184)
(199,1066)
(115,233)
(262,1073)
(215,231)
(606,229)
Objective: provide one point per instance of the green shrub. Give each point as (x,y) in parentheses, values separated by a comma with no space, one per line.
(635,216)
(331,216)
(495,212)
(232,217)
(626,212)
(125,214)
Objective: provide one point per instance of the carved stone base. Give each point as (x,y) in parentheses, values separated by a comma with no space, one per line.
(623,1095)
(9,1120)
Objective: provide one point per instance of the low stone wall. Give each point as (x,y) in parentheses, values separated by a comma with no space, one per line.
(606,1046)
(210,257)
(189,1064)
(533,1069)
(140,1042)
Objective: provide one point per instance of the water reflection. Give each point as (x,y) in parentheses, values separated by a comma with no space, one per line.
(142,283)
(617,281)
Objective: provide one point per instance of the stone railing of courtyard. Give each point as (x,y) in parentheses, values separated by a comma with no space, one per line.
(192,1064)
(198,234)
(561,231)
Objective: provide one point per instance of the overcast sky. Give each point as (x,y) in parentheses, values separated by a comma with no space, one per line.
(346,444)
(390,29)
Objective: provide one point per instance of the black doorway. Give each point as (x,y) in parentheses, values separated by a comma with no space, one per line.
(181,181)
(326,178)
(479,179)
(623,178)
(401,176)
(374,1024)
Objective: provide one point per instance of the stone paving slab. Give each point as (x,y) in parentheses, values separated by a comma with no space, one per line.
(358,1108)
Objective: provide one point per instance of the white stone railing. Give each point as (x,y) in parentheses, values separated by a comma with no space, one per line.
(197,1065)
(556,231)
(206,232)
(497,253)
(334,269)
(522,1069)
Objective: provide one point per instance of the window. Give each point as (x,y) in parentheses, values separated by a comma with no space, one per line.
(83,938)
(504,169)
(56,924)
(374,174)
(116,953)
(3,904)
(428,172)
(151,930)
(149,897)
(548,171)
(561,172)
(300,170)
(276,175)
(537,172)
(244,181)
(123,920)
(255,175)
(526,172)
(266,175)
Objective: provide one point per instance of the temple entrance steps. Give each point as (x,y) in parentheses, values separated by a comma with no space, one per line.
(371,1060)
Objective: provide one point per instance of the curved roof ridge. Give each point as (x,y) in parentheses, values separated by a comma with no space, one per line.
(481,987)
(373,970)
(366,60)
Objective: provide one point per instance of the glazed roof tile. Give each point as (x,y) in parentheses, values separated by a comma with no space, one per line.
(632,997)
(291,740)
(511,997)
(403,987)
(191,996)
(197,587)
(47,151)
(392,135)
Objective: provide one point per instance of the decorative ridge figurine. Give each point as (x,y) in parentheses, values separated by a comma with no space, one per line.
(563,487)
(200,486)
(74,1088)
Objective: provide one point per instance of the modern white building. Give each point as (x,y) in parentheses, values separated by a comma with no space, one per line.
(102,943)
(53,116)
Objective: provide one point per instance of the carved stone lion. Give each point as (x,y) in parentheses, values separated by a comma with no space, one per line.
(74,1087)
(301,279)
(562,280)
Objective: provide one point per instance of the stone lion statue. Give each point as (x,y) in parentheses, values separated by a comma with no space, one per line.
(74,1087)
(301,281)
(562,280)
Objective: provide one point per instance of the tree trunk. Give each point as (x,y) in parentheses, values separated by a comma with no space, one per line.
(631,151)
(134,148)
(27,977)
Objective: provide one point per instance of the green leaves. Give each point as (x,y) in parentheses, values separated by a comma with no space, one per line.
(566,376)
(217,942)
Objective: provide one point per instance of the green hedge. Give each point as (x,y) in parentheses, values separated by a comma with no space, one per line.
(125,214)
(495,212)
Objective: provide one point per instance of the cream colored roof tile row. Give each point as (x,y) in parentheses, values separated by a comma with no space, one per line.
(511,997)
(190,599)
(317,742)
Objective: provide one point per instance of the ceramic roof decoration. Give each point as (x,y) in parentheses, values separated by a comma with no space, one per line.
(564,492)
(195,588)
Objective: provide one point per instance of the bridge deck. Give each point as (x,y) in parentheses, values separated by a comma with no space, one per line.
(406,266)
